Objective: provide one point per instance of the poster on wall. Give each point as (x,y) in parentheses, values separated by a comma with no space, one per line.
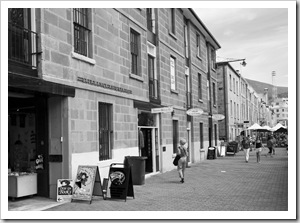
(64,190)
(87,183)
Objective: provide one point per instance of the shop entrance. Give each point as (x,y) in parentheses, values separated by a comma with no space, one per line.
(27,138)
(148,141)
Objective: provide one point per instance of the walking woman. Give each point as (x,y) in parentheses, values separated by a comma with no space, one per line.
(182,151)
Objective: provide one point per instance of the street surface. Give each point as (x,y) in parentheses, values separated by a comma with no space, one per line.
(223,184)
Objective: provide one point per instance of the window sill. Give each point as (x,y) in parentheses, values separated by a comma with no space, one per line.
(173,35)
(136,77)
(174,91)
(83,58)
(214,70)
(200,100)
(199,57)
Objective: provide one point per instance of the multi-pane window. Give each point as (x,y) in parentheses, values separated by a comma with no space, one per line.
(172,20)
(198,42)
(81,31)
(237,88)
(134,49)
(201,136)
(173,73)
(199,87)
(188,88)
(213,59)
(175,135)
(230,87)
(214,93)
(105,131)
(151,20)
(233,85)
(153,82)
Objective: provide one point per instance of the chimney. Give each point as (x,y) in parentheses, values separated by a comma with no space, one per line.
(266,95)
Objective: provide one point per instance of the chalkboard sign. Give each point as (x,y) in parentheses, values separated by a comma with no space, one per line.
(64,190)
(121,182)
(87,183)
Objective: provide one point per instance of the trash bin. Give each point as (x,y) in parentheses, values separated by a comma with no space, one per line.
(137,164)
(211,153)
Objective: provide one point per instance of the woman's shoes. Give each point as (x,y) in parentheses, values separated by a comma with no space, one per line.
(182,180)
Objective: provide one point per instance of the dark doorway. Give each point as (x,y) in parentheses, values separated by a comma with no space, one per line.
(147,150)
(28,131)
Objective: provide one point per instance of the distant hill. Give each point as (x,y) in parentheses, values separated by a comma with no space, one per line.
(260,86)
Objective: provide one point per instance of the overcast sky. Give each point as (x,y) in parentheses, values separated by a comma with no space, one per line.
(258,34)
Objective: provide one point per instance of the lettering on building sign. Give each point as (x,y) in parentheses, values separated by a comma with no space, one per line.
(103,85)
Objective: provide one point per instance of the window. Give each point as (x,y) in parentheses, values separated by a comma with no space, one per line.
(230,87)
(172,21)
(214,93)
(134,50)
(233,85)
(231,108)
(198,42)
(213,59)
(234,111)
(153,83)
(237,111)
(188,88)
(22,46)
(175,135)
(201,136)
(81,32)
(277,110)
(237,88)
(216,139)
(105,131)
(199,87)
(283,110)
(151,20)
(173,73)
(186,42)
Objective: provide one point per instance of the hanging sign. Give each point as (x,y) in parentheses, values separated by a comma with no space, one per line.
(87,183)
(162,110)
(218,117)
(121,182)
(194,112)
(64,190)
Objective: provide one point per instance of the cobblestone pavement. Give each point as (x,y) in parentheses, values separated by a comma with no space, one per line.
(223,184)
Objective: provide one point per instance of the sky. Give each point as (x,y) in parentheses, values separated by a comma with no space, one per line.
(258,34)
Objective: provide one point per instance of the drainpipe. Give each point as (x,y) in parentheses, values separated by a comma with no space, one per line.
(225,102)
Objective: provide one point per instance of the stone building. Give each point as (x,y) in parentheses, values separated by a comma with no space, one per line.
(89,86)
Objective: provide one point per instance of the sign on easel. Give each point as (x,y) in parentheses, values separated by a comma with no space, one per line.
(87,183)
(121,182)
(64,190)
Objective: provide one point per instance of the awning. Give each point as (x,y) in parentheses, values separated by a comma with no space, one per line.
(145,105)
(36,84)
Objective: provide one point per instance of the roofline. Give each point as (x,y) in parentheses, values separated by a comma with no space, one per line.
(205,28)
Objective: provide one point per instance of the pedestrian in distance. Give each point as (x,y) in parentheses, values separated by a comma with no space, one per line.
(274,143)
(258,148)
(183,153)
(270,145)
(246,148)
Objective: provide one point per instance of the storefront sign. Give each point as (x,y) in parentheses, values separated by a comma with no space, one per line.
(162,110)
(121,182)
(194,112)
(64,190)
(103,85)
(87,183)
(218,116)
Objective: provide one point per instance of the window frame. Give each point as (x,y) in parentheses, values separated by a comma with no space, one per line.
(198,45)
(200,95)
(172,19)
(107,109)
(173,75)
(135,52)
(214,93)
